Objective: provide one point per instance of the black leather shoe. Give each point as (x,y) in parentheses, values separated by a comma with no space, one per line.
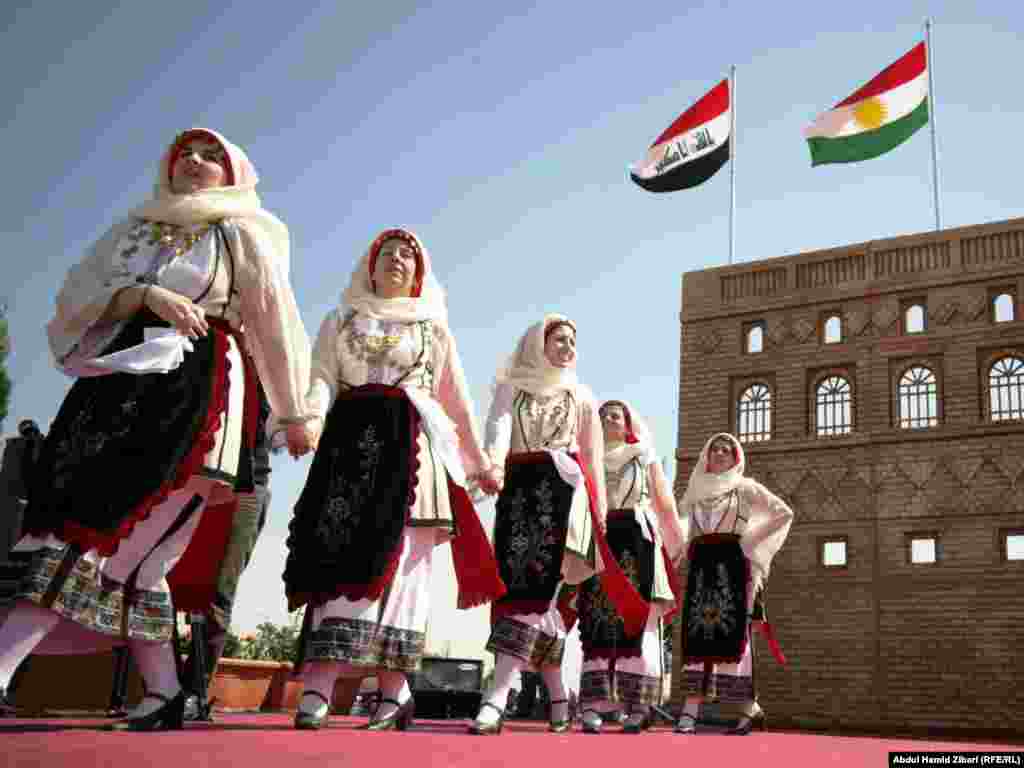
(399,720)
(634,725)
(310,721)
(590,725)
(559,726)
(7,708)
(488,729)
(170,717)
(747,724)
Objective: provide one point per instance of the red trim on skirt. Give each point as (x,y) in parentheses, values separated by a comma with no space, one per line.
(106,544)
(620,590)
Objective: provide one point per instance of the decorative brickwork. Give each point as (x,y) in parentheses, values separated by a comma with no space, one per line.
(881,643)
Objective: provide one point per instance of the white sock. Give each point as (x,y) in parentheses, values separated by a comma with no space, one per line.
(506,673)
(26,626)
(394,686)
(319,676)
(638,714)
(156,665)
(691,708)
(556,691)
(593,716)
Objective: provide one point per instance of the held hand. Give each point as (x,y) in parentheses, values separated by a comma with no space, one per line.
(301,439)
(315,429)
(188,318)
(491,482)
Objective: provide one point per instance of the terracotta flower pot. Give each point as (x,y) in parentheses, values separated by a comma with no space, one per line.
(241,684)
(42,685)
(285,690)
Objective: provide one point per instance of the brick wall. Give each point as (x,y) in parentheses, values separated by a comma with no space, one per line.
(881,643)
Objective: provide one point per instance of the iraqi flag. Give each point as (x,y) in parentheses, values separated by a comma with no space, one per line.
(878,117)
(692,149)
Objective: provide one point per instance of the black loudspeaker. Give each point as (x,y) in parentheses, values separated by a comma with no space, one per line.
(447,688)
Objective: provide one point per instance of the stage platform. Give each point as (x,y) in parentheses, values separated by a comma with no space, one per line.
(269,741)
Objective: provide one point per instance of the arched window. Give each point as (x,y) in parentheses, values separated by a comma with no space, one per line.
(755,339)
(833,329)
(754,414)
(1006,388)
(833,407)
(918,395)
(1002,308)
(913,319)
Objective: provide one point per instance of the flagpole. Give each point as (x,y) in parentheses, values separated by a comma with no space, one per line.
(732,160)
(931,119)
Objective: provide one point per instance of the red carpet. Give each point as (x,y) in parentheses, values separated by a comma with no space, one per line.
(268,741)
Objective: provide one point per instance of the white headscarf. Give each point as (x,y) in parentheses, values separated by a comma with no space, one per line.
(91,284)
(530,370)
(360,296)
(639,439)
(706,485)
(236,201)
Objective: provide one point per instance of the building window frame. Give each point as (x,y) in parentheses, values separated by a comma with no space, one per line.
(826,318)
(1004,544)
(762,395)
(748,334)
(911,536)
(905,307)
(817,381)
(994,294)
(935,369)
(1014,389)
(824,541)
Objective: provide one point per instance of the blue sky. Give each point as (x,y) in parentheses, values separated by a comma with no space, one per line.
(501,133)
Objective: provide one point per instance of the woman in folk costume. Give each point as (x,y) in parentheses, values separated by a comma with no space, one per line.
(646,538)
(734,527)
(387,484)
(148,323)
(544,439)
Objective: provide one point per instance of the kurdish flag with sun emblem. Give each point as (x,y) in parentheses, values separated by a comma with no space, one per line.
(878,117)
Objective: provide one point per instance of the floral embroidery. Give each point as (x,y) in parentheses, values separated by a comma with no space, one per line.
(149,246)
(601,620)
(547,422)
(97,424)
(533,543)
(712,607)
(392,352)
(338,523)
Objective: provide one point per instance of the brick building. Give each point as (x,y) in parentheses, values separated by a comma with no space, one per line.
(879,389)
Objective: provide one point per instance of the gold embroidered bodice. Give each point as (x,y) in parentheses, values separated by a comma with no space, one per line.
(373,351)
(544,422)
(189,260)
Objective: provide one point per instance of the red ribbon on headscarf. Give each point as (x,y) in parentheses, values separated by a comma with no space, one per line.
(620,590)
